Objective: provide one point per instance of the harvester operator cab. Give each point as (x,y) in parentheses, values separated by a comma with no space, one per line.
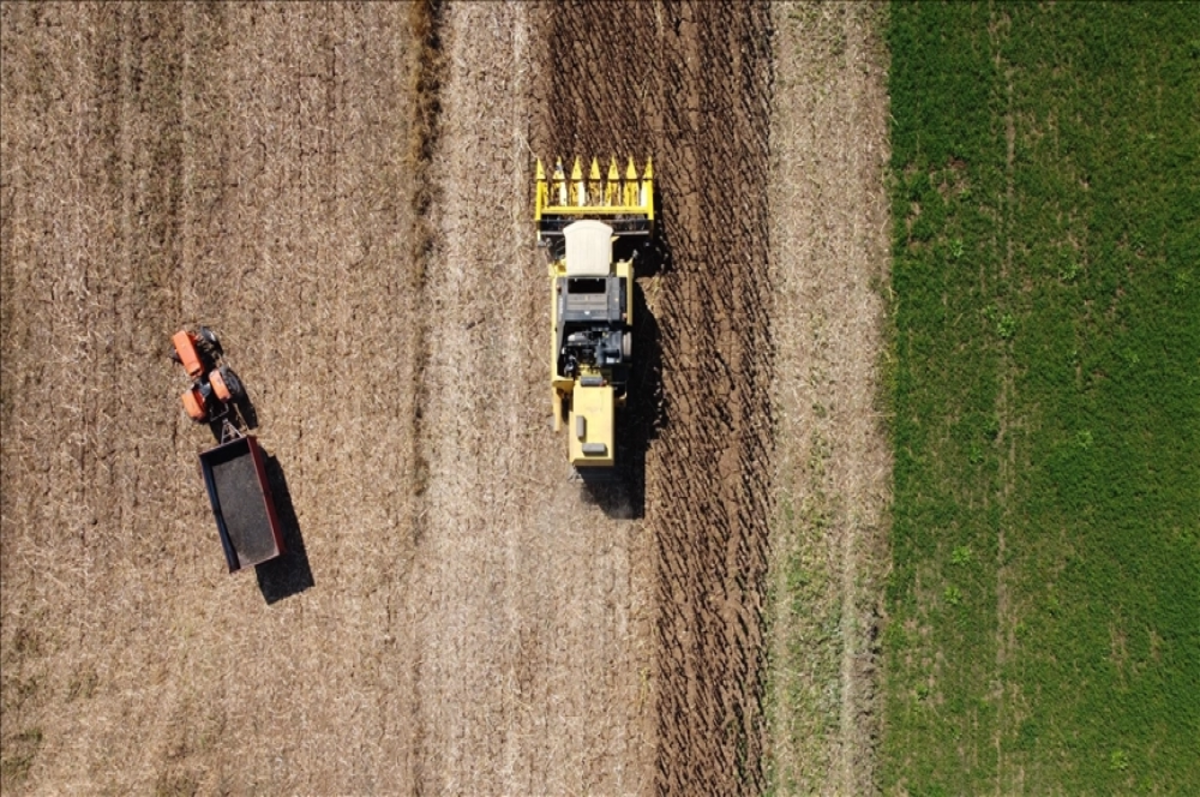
(593,306)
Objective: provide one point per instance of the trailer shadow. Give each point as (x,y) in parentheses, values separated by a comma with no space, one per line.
(290,574)
(621,493)
(245,408)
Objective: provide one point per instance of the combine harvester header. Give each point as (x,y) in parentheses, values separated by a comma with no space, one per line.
(628,202)
(591,297)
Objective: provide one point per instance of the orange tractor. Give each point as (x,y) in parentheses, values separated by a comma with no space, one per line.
(214,386)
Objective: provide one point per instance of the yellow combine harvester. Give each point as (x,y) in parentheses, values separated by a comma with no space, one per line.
(589,224)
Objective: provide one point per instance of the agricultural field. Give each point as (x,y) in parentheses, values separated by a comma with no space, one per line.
(343,191)
(911,496)
(1043,634)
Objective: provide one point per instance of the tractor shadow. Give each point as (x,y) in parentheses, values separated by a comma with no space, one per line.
(245,408)
(621,493)
(290,574)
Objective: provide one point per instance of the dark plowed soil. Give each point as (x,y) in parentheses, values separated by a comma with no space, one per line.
(689,84)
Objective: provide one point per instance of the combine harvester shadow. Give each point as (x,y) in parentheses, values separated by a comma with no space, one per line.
(622,494)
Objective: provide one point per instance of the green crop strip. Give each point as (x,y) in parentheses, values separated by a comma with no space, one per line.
(1044,606)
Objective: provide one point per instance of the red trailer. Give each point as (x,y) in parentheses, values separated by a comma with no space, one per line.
(235,476)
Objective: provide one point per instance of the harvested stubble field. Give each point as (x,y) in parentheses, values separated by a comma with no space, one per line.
(343,192)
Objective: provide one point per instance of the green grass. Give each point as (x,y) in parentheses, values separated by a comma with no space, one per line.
(1044,606)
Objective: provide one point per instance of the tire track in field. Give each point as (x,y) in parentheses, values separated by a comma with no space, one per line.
(833,471)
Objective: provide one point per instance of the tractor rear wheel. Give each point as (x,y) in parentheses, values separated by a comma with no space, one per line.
(225,384)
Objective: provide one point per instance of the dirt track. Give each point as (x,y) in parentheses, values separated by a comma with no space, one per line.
(455,617)
(829,236)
